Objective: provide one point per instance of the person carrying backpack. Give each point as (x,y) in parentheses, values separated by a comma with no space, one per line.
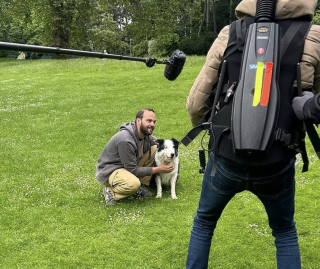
(226,173)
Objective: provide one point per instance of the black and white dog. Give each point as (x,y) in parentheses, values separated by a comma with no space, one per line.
(167,153)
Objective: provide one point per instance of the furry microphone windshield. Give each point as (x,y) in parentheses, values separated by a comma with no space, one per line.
(175,65)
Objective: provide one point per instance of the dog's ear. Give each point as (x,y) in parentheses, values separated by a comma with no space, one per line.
(176,142)
(160,142)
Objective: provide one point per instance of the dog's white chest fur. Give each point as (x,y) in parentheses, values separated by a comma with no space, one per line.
(167,153)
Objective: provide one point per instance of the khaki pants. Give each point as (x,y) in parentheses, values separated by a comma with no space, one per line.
(122,183)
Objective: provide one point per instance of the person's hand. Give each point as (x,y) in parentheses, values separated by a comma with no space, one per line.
(299,102)
(163,168)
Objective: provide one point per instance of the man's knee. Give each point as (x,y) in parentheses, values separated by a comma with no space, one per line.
(123,184)
(134,184)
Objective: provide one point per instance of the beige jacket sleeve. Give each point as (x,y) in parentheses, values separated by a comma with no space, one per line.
(310,61)
(207,77)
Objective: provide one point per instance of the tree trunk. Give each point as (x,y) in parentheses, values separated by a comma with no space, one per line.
(62,19)
(214,17)
(208,14)
(231,11)
(60,36)
(203,18)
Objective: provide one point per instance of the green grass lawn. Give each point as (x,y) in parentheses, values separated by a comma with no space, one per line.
(56,117)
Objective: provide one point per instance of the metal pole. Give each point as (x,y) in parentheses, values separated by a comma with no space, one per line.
(55,50)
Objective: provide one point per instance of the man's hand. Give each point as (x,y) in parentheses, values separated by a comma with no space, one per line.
(299,102)
(163,168)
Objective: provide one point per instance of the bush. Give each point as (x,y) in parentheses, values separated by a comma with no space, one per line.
(197,45)
(316,19)
(141,49)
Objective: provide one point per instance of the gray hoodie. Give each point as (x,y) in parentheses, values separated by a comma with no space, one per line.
(122,151)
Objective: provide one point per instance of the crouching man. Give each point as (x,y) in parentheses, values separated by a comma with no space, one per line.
(127,160)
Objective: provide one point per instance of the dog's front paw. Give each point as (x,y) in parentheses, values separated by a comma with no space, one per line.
(174,197)
(159,196)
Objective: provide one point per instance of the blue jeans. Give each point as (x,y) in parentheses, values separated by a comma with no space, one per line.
(273,185)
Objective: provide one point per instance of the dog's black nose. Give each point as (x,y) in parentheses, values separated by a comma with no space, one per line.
(172,155)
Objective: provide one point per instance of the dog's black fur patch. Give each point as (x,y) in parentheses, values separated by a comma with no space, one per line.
(176,144)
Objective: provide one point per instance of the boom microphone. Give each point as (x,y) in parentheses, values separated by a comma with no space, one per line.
(172,70)
(175,65)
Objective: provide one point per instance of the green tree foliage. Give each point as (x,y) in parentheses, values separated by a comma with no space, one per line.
(206,25)
(11,29)
(122,26)
(51,22)
(105,35)
(316,19)
(154,20)
(136,27)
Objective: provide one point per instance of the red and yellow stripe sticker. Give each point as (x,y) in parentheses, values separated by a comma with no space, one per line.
(262,84)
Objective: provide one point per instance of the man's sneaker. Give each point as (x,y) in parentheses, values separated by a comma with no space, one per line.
(108,197)
(142,193)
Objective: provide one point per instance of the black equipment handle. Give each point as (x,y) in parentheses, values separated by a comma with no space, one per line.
(202,159)
(219,88)
(265,10)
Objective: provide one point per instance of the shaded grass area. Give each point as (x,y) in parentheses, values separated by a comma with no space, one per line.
(56,117)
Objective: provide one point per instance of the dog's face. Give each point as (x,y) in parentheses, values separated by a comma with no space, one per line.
(168,148)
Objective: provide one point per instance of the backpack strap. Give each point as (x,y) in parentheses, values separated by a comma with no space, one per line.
(241,31)
(294,27)
(314,137)
(311,131)
(204,123)
(302,145)
(193,133)
(237,37)
(306,125)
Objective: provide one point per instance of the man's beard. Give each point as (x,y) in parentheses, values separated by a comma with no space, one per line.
(144,130)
